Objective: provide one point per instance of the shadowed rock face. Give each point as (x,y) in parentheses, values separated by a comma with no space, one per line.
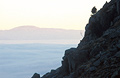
(36,75)
(98,54)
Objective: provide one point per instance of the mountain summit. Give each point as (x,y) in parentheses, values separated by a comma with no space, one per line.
(36,33)
(98,54)
(26,27)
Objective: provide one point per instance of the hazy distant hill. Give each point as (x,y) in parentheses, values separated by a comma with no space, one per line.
(35,33)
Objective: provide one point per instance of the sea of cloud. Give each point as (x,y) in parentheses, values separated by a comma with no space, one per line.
(23,60)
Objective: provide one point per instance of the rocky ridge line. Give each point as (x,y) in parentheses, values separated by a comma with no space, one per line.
(98,54)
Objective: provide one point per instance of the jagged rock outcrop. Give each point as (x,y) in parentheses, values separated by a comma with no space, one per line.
(36,75)
(98,54)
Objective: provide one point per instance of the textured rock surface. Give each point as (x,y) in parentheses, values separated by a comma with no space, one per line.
(98,54)
(36,75)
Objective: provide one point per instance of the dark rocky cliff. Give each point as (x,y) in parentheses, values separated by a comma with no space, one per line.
(98,54)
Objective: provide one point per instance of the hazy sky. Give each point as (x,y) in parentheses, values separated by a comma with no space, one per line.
(66,14)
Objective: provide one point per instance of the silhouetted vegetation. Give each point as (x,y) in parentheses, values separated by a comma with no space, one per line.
(94,10)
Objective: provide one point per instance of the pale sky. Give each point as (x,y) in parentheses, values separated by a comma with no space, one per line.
(65,14)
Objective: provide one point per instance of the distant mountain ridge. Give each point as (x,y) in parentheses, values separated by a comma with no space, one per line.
(36,33)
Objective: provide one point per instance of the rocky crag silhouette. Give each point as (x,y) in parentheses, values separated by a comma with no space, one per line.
(98,54)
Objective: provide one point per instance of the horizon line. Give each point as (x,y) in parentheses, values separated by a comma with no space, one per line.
(40,28)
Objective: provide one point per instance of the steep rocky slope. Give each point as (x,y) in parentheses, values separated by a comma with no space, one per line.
(98,54)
